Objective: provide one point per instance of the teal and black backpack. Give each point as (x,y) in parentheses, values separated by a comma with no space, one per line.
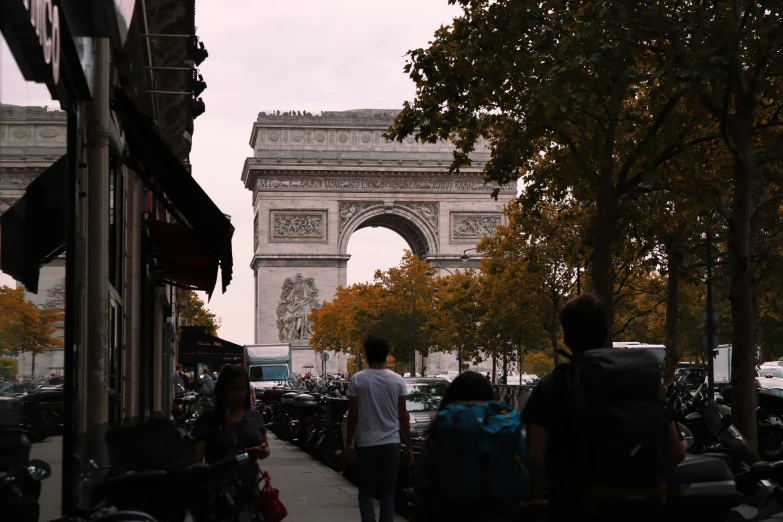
(481,454)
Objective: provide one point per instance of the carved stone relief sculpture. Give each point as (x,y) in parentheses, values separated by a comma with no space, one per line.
(349,209)
(474,226)
(15,180)
(5,204)
(298,225)
(298,298)
(428,211)
(255,233)
(370,184)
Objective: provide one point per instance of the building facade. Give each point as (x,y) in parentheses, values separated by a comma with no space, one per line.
(31,140)
(118,205)
(317,179)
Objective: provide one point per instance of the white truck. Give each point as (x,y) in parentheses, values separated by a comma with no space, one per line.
(658,349)
(722,364)
(267,364)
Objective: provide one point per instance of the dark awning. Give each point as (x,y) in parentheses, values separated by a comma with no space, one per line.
(33,229)
(180,257)
(196,346)
(173,184)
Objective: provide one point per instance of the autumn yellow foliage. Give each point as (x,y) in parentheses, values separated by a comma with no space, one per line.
(24,328)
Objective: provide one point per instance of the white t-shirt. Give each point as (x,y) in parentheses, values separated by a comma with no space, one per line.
(377,393)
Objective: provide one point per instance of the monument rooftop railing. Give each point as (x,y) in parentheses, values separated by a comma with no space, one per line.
(30,114)
(380,118)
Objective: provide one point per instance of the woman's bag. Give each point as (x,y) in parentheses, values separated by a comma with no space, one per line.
(274,510)
(481,455)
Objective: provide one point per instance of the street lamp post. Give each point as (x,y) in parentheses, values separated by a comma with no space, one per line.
(465,257)
(415,338)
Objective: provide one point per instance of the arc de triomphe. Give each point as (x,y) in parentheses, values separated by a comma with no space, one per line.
(317,179)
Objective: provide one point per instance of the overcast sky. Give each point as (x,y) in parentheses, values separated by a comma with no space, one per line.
(295,54)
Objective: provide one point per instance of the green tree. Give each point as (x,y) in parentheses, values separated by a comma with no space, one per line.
(196,315)
(576,99)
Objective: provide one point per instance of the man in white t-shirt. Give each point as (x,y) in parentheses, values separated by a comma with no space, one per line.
(377,415)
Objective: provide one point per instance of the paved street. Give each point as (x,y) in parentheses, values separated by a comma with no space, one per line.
(310,490)
(50,450)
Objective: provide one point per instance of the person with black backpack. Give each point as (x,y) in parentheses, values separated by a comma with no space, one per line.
(598,427)
(474,464)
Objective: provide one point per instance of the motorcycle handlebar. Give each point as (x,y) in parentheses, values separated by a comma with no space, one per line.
(104,489)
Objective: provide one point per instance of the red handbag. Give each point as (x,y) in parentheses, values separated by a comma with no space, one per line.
(274,510)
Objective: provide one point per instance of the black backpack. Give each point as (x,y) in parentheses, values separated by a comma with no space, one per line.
(613,433)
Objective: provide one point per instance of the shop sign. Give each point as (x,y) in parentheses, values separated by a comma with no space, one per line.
(45,18)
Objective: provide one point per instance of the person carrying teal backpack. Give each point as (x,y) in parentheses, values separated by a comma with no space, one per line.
(474,465)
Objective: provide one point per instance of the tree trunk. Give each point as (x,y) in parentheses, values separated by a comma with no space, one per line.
(743,357)
(602,263)
(672,313)
(553,327)
(521,360)
(555,345)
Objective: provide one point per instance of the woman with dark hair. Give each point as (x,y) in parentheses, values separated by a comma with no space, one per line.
(232,426)
(472,465)
(468,387)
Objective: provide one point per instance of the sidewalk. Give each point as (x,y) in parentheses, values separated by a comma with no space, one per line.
(309,489)
(50,451)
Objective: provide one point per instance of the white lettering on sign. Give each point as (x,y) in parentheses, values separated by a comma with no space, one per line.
(45,17)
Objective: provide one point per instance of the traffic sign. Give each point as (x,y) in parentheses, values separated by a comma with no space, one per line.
(324,356)
(705,338)
(715,316)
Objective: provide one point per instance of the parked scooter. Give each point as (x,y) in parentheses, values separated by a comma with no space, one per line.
(769,416)
(328,447)
(20,490)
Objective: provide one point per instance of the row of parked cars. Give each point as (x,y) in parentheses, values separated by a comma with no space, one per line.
(512,378)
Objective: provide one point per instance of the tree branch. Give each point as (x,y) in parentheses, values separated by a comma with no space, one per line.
(651,132)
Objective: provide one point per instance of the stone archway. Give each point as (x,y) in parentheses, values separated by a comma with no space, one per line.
(317,179)
(416,223)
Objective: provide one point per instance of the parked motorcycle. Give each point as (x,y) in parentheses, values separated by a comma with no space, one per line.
(769,416)
(44,411)
(328,446)
(20,490)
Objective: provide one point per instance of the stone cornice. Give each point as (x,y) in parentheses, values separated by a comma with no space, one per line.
(299,260)
(252,168)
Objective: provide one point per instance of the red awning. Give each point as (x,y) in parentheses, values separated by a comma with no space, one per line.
(180,257)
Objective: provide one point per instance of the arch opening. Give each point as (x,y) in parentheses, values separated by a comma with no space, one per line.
(404,228)
(420,236)
(373,249)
